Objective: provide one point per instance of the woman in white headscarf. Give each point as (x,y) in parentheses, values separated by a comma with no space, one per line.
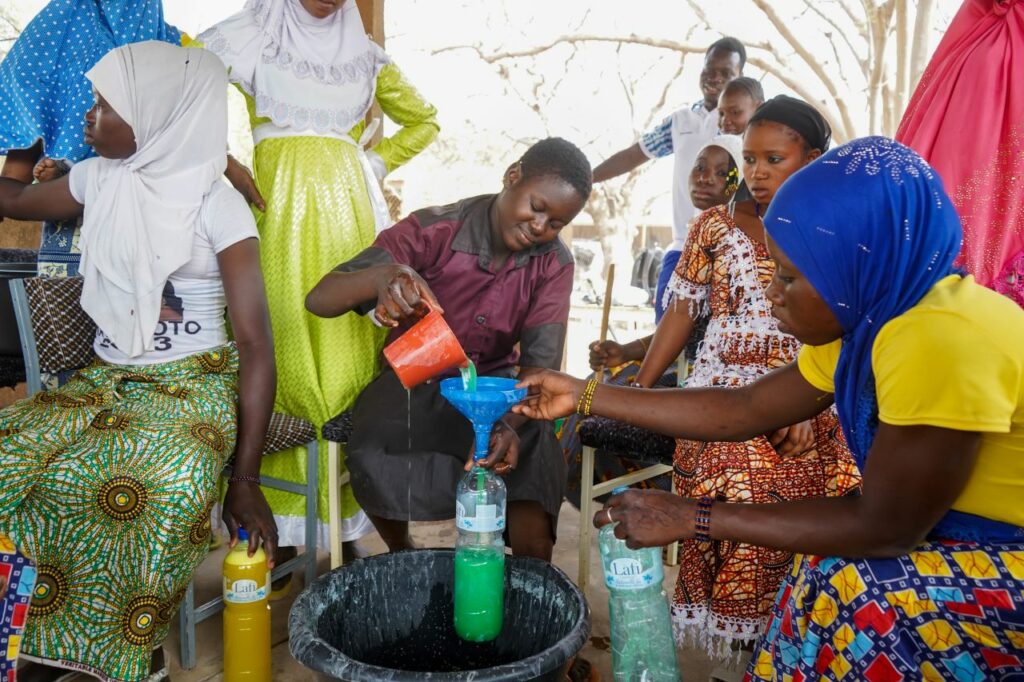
(310,74)
(108,481)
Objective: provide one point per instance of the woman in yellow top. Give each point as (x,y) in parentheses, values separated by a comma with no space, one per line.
(921,576)
(310,74)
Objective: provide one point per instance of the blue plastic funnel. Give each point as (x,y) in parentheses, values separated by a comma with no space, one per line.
(484,406)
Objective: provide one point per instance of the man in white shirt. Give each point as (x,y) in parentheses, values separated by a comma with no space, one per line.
(682,134)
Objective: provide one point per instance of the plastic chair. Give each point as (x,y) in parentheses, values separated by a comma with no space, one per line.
(640,445)
(336,432)
(57,337)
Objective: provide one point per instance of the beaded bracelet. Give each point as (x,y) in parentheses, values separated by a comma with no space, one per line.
(243,479)
(702,523)
(587,398)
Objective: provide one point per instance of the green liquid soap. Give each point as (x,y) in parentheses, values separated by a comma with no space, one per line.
(479,593)
(468,376)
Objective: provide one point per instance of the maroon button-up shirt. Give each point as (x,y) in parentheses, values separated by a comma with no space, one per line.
(525,302)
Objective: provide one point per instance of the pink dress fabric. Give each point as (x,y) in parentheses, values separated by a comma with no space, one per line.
(966,118)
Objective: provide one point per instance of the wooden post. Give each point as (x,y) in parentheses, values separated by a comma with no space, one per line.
(372,13)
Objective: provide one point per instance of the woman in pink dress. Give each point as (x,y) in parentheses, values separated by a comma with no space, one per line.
(966,119)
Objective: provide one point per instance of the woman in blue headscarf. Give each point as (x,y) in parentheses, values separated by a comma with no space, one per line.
(45,95)
(922,575)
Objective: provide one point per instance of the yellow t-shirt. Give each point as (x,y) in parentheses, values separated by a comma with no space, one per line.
(955,360)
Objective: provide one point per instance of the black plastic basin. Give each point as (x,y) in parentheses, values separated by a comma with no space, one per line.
(389,617)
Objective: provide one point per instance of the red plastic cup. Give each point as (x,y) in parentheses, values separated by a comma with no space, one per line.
(427,349)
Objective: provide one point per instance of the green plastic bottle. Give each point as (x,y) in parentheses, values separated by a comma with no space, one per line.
(479,556)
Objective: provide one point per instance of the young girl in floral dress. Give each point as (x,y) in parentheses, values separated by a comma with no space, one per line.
(726,589)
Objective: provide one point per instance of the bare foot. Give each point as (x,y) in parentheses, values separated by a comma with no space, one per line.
(352,550)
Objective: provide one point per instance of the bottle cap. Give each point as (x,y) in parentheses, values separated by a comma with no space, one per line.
(243,536)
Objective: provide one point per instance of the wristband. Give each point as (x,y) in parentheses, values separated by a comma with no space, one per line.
(702,521)
(587,398)
(244,479)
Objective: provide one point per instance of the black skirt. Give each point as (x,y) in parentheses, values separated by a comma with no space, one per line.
(408,449)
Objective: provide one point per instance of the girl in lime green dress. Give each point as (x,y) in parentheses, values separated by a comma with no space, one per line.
(310,74)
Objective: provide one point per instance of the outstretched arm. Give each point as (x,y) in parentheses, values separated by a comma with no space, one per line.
(620,162)
(670,338)
(43,201)
(778,399)
(400,293)
(913,476)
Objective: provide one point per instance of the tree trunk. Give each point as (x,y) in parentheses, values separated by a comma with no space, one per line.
(919,51)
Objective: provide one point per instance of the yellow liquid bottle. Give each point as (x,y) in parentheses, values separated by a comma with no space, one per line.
(246,614)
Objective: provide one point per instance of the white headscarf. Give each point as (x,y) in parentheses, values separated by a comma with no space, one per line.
(303,72)
(141,213)
(733,146)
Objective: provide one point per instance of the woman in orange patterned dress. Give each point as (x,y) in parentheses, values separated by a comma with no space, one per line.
(726,589)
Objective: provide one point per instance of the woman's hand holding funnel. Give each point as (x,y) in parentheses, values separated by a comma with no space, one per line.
(502,452)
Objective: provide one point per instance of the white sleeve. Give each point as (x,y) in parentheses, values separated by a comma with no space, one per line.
(78,179)
(226,217)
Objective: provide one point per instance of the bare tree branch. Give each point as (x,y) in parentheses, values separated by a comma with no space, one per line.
(660,104)
(781,26)
(838,132)
(571,39)
(844,35)
(699,11)
(858,19)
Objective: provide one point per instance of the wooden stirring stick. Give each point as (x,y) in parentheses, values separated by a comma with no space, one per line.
(607,310)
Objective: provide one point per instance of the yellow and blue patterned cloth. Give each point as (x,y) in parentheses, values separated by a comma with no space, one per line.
(17,579)
(947,611)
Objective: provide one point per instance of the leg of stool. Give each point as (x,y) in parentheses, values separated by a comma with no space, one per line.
(586,516)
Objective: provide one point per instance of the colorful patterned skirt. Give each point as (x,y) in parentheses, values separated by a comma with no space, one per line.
(726,590)
(107,485)
(17,580)
(318,216)
(947,611)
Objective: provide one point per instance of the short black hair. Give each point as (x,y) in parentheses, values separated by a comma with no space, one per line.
(746,84)
(561,159)
(729,44)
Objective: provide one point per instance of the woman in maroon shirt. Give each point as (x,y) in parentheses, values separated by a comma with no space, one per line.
(495,266)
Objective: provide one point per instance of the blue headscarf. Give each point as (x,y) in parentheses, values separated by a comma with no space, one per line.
(870,226)
(43,88)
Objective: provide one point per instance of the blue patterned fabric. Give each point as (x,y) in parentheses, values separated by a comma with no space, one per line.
(872,246)
(946,611)
(42,82)
(657,142)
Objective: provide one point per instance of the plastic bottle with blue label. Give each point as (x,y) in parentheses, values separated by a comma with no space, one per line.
(479,554)
(643,648)
(246,614)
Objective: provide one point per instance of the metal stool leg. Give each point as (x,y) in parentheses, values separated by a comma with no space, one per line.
(312,496)
(586,516)
(187,628)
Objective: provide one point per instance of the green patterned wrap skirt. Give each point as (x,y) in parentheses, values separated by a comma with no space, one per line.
(107,484)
